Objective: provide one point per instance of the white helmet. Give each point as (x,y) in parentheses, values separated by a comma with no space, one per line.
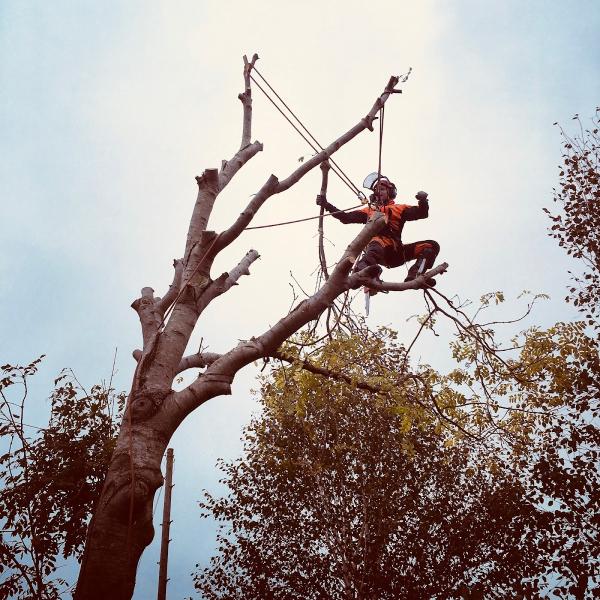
(372,178)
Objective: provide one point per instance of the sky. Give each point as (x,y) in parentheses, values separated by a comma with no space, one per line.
(108,110)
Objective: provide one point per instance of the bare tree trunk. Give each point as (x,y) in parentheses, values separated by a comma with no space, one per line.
(121,526)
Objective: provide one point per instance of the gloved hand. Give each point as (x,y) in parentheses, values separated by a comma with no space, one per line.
(421,196)
(321,200)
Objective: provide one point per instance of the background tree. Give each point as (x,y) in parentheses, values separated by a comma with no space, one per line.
(50,477)
(564,469)
(343,493)
(577,224)
(541,404)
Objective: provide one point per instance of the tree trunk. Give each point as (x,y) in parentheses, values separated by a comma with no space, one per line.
(122,524)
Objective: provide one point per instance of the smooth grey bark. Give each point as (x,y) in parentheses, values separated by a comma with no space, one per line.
(121,526)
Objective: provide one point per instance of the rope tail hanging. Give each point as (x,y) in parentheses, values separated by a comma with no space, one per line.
(381,118)
(367,291)
(324,176)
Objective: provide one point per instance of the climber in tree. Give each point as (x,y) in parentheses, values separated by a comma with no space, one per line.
(387,248)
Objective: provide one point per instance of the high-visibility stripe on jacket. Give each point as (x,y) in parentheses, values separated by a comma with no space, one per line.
(396,215)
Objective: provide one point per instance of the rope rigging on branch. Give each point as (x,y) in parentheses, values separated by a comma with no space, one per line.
(385,249)
(335,168)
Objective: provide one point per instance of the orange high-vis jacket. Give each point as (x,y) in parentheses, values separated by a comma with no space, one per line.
(396,215)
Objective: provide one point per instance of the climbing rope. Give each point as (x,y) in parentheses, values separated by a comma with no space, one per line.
(318,148)
(304,219)
(381,118)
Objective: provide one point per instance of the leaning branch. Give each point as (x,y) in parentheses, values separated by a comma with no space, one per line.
(217,378)
(312,368)
(212,181)
(247,150)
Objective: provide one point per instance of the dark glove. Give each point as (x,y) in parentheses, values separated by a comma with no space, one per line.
(321,200)
(421,196)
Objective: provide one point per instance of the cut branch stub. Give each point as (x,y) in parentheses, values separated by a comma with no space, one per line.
(226,280)
(246,99)
(148,310)
(208,188)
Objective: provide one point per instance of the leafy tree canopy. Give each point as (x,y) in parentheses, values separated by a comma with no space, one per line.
(577,224)
(50,477)
(344,493)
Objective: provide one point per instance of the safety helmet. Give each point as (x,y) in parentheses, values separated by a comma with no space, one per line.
(371,181)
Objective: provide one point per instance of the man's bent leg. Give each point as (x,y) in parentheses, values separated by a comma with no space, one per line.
(424,253)
(372,257)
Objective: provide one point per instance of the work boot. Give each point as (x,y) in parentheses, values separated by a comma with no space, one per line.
(413,273)
(370,272)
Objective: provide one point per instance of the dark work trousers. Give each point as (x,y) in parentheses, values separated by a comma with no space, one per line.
(392,256)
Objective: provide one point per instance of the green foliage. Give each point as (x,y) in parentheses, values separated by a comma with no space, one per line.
(50,477)
(577,225)
(345,493)
(563,469)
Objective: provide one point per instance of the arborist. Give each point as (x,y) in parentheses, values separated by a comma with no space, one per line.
(387,248)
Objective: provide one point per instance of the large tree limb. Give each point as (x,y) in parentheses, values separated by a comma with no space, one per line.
(274,186)
(226,367)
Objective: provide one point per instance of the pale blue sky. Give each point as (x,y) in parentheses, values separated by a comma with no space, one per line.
(109,109)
